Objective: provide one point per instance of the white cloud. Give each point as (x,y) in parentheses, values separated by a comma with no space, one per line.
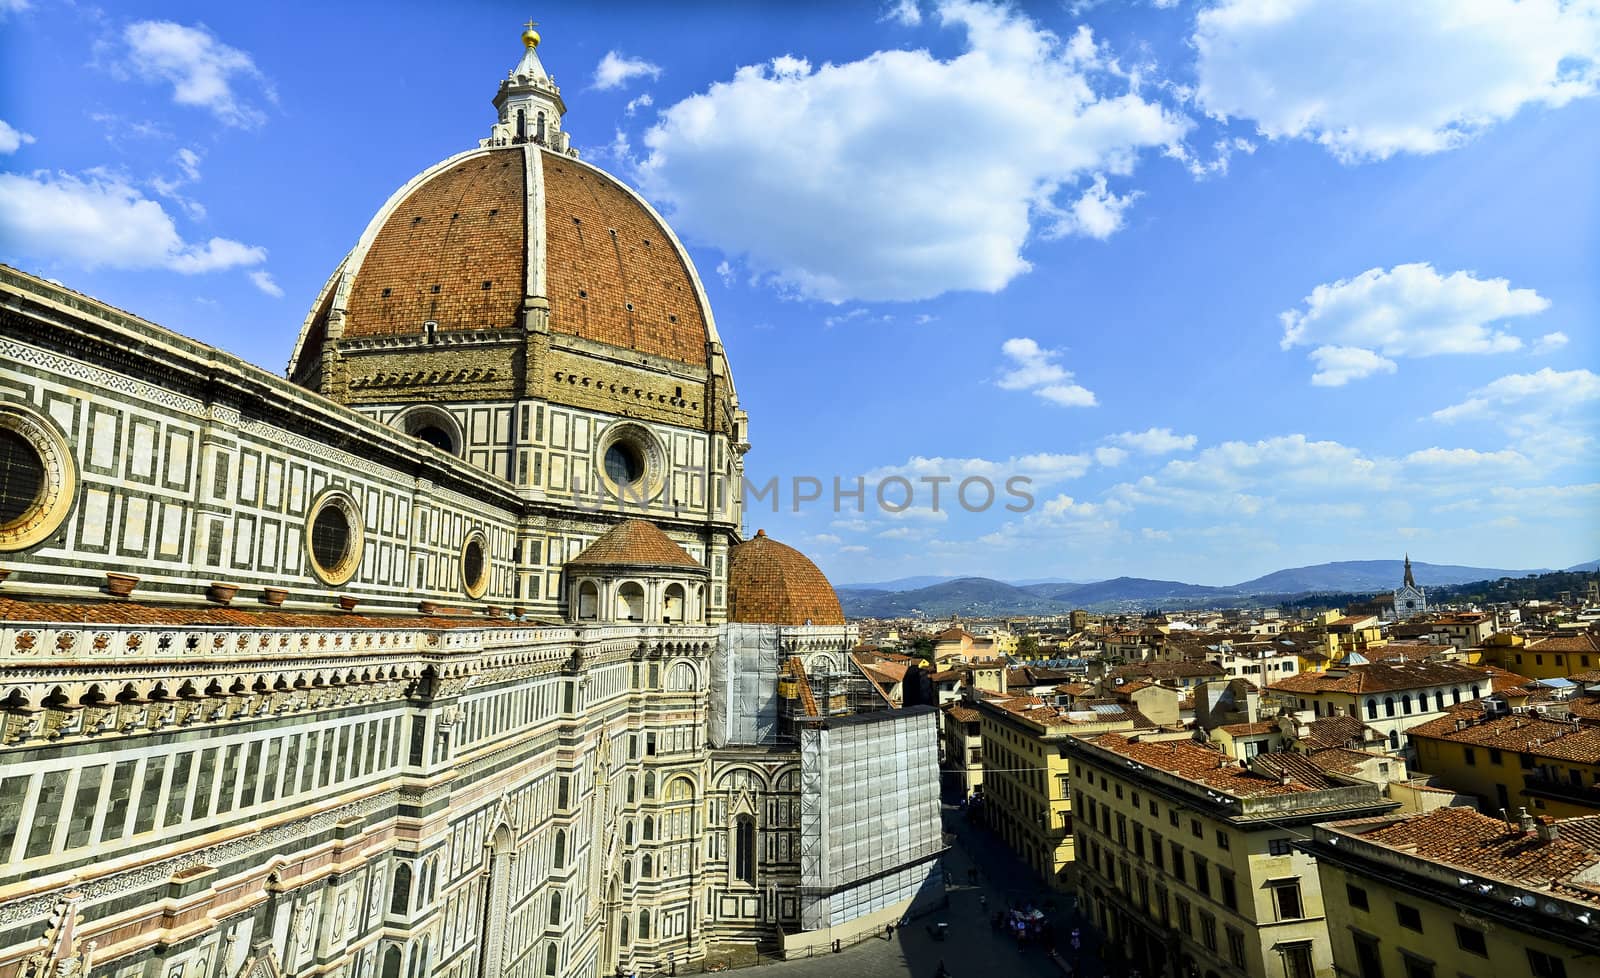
(1371,78)
(725,272)
(12,139)
(1338,365)
(1034,368)
(263,280)
(1155,536)
(827,539)
(902,176)
(14,6)
(643,101)
(98,219)
(1109,456)
(904,12)
(1549,343)
(188,163)
(854,548)
(1463,458)
(1097,213)
(1407,311)
(1155,441)
(1043,468)
(616,70)
(201,69)
(1285,461)
(1543,394)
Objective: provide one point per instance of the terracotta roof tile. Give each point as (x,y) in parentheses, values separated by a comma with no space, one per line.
(459,229)
(1204,764)
(612,274)
(774,584)
(634,543)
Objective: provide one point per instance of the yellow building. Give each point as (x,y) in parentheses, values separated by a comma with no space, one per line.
(1545,763)
(1186,859)
(1451,892)
(963,747)
(1556,657)
(1026,796)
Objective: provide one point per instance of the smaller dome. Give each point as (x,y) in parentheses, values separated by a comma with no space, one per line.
(634,543)
(772,584)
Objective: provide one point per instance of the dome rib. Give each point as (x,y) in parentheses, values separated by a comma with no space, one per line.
(774,584)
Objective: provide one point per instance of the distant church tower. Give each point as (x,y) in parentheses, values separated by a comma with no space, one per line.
(1409,600)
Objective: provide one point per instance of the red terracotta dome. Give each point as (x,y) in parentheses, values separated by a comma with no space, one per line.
(773,584)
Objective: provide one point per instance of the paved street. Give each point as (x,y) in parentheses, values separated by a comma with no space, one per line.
(972,948)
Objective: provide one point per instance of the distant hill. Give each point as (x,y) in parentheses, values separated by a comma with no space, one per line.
(1369,575)
(982,596)
(898,584)
(1586,567)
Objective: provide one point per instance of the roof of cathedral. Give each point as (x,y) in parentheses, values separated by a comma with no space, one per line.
(770,583)
(453,248)
(472,242)
(634,543)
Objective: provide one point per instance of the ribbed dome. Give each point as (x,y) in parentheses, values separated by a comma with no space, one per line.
(770,583)
(634,543)
(454,247)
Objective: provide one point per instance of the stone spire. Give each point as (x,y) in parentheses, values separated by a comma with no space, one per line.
(529,103)
(1410,581)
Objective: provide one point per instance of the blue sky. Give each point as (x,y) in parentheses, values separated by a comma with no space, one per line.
(1238,285)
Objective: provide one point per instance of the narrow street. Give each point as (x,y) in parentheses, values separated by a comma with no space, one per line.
(971,947)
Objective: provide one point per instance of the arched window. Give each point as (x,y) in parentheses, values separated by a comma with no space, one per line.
(645,867)
(391,962)
(1455,695)
(419,960)
(627,871)
(630,602)
(400,900)
(522,125)
(550,961)
(745,850)
(1475,693)
(538,134)
(630,789)
(627,834)
(588,601)
(1388,706)
(672,605)
(1372,708)
(1394,740)
(624,932)
(649,785)
(555,909)
(649,828)
(560,860)
(644,925)
(1405,703)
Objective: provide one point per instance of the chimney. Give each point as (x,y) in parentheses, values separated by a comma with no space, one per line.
(1524,820)
(1548,830)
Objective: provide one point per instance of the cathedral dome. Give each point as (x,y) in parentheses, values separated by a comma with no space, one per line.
(468,241)
(515,238)
(770,583)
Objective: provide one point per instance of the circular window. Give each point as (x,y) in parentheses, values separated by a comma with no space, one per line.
(37,479)
(631,461)
(475,564)
(334,542)
(624,463)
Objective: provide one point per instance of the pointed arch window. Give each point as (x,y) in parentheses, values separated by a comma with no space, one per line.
(745,850)
(644,925)
(555,909)
(550,961)
(400,900)
(560,859)
(649,828)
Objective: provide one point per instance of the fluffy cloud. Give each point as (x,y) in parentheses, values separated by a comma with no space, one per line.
(1358,325)
(1034,368)
(1110,456)
(98,219)
(1549,343)
(264,281)
(1338,365)
(1155,441)
(903,176)
(12,139)
(643,101)
(1285,461)
(1539,395)
(616,70)
(1371,78)
(201,69)
(904,12)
